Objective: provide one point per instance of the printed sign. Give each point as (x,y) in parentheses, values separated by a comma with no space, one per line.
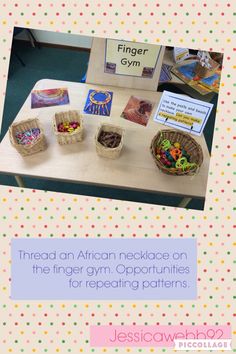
(104,269)
(180,54)
(183,112)
(130,58)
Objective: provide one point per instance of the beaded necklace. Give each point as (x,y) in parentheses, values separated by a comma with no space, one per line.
(98,106)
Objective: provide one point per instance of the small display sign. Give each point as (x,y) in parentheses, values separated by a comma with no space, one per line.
(182,112)
(130,58)
(180,54)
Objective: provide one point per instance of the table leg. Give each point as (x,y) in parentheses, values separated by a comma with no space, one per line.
(184,202)
(19,181)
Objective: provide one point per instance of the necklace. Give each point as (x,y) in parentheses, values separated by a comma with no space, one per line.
(98,102)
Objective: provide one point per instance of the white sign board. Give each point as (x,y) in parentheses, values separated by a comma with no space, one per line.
(131,58)
(182,112)
(180,54)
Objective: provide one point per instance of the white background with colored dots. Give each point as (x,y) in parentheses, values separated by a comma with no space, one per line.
(63,327)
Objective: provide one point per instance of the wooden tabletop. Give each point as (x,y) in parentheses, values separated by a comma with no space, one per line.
(135,168)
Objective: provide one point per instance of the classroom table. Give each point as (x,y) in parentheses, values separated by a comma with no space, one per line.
(185,88)
(135,169)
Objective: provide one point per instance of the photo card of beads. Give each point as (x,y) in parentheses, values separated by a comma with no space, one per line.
(138,110)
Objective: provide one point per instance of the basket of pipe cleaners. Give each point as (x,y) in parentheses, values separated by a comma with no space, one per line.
(176,153)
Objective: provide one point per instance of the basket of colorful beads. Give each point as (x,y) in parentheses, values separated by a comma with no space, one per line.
(27,136)
(68,127)
(176,153)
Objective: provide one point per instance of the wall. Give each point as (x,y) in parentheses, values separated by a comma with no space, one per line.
(59,38)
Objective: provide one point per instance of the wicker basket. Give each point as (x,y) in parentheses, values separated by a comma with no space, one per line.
(204,72)
(187,142)
(38,144)
(68,116)
(104,151)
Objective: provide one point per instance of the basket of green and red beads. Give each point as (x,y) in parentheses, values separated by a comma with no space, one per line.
(176,153)
(68,127)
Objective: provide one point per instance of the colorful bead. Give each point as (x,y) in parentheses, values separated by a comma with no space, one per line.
(173,156)
(176,153)
(166,144)
(168,156)
(181,163)
(68,127)
(27,137)
(177,145)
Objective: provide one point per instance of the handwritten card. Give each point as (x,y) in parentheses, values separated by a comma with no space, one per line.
(182,112)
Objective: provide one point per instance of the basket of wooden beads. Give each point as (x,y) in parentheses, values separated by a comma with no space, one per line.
(176,153)
(68,127)
(27,136)
(109,141)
